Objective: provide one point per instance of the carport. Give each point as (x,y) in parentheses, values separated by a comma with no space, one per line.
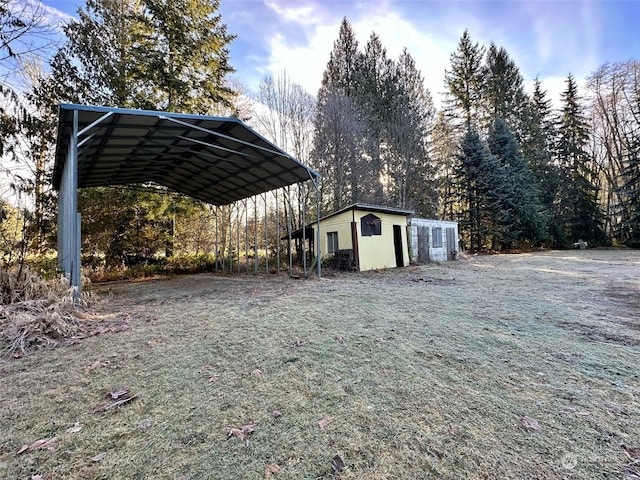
(218,160)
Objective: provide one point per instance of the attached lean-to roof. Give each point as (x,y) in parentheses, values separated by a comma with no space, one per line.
(215,159)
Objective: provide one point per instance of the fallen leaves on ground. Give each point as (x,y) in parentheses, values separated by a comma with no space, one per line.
(118,392)
(75,429)
(88,471)
(91,330)
(257,373)
(631,470)
(531,423)
(271,469)
(337,464)
(95,365)
(207,368)
(117,397)
(632,453)
(99,457)
(142,424)
(242,432)
(323,422)
(41,444)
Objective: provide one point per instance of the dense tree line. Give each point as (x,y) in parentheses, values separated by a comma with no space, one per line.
(511,167)
(372,127)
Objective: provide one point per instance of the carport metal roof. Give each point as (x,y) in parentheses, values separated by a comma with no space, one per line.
(215,159)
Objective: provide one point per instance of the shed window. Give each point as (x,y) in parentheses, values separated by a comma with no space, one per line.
(370,225)
(332,242)
(436,234)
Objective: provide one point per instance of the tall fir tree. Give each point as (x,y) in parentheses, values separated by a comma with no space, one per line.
(407,163)
(475,176)
(578,213)
(521,219)
(374,97)
(338,128)
(630,192)
(464,82)
(188,61)
(153,54)
(503,93)
(537,148)
(344,62)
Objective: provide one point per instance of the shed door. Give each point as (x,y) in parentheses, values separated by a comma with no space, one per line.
(452,243)
(397,244)
(423,244)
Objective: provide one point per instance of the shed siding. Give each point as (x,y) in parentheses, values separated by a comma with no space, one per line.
(376,251)
(418,243)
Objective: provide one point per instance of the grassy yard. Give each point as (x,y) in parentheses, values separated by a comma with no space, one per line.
(504,367)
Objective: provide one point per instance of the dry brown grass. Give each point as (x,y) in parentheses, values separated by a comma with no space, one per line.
(36,313)
(424,372)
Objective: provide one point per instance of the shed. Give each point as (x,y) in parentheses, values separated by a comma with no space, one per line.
(432,240)
(364,237)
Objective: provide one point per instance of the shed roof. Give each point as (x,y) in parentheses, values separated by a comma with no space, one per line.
(356,206)
(215,159)
(371,208)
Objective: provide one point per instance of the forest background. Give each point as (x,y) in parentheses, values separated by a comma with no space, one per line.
(517,170)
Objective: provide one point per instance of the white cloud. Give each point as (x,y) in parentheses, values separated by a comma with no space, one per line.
(48,15)
(305,63)
(300,13)
(430,52)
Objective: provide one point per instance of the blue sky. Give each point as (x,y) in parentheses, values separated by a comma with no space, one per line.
(545,38)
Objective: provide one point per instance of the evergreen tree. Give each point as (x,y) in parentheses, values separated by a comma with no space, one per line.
(443,151)
(342,69)
(520,211)
(99,63)
(630,193)
(503,93)
(188,60)
(475,177)
(374,97)
(464,82)
(338,126)
(537,147)
(337,149)
(153,54)
(578,210)
(411,115)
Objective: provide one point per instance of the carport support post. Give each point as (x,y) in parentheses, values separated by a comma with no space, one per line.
(255,235)
(318,252)
(266,236)
(216,239)
(68,216)
(304,229)
(277,234)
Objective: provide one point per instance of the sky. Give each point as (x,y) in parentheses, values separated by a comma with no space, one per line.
(549,39)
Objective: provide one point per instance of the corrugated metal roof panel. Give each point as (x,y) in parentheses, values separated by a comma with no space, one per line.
(216,159)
